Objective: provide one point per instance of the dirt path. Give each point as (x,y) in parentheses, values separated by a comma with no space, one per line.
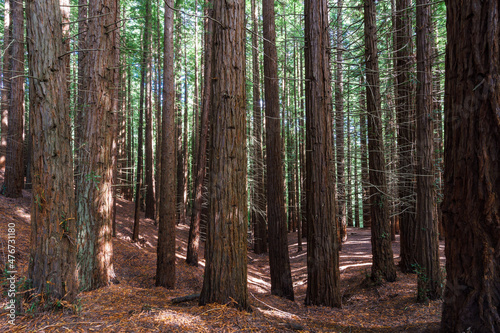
(135,305)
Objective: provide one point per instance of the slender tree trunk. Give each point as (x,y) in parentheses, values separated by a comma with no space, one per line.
(323,275)
(94,206)
(4,107)
(258,199)
(471,212)
(165,267)
(225,278)
(383,261)
(194,230)
(14,162)
(52,264)
(404,92)
(279,260)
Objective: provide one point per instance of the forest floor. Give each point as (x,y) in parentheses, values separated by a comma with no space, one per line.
(136,305)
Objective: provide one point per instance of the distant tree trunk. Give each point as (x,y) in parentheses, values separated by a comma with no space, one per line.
(194,230)
(279,260)
(14,162)
(471,207)
(4,108)
(185,145)
(258,199)
(140,136)
(363,147)
(383,261)
(427,265)
(52,264)
(323,275)
(339,128)
(225,278)
(149,177)
(404,92)
(94,211)
(165,266)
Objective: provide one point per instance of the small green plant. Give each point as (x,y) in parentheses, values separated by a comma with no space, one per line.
(94,177)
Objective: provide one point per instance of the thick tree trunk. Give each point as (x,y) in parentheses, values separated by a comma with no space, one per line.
(323,275)
(165,267)
(279,260)
(427,265)
(225,278)
(471,207)
(383,261)
(194,230)
(14,162)
(4,106)
(94,211)
(405,140)
(52,268)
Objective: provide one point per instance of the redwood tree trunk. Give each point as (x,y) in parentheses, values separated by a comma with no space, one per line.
(383,261)
(427,266)
(52,264)
(322,242)
(201,158)
(165,266)
(279,260)
(94,211)
(4,107)
(14,163)
(471,207)
(225,278)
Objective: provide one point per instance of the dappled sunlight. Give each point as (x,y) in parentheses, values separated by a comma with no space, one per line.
(180,320)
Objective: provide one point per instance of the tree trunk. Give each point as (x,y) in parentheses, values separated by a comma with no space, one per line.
(427,265)
(148,171)
(363,147)
(404,92)
(94,211)
(323,275)
(194,230)
(471,207)
(4,107)
(258,199)
(14,162)
(52,268)
(383,261)
(225,278)
(279,260)
(165,266)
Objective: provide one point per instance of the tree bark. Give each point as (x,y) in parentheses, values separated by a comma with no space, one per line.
(383,261)
(52,267)
(94,205)
(4,106)
(279,260)
(427,265)
(406,135)
(225,278)
(322,242)
(165,267)
(471,207)
(14,162)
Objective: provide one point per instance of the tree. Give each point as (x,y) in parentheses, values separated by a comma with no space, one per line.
(4,107)
(322,242)
(279,260)
(405,139)
(52,267)
(339,129)
(383,261)
(94,204)
(258,199)
(427,254)
(165,267)
(14,162)
(225,278)
(471,215)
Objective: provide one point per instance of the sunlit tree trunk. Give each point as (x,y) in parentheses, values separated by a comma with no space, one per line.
(4,107)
